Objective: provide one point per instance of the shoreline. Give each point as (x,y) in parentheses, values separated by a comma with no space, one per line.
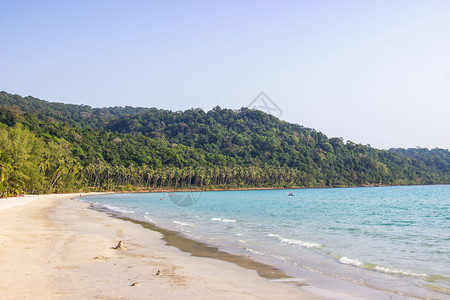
(255,188)
(201,249)
(89,192)
(56,247)
(325,285)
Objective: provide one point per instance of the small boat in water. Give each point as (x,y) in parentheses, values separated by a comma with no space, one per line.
(291,194)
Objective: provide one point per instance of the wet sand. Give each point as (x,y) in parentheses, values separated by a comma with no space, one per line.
(199,249)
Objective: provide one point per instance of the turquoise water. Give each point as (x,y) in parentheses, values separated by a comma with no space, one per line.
(395,239)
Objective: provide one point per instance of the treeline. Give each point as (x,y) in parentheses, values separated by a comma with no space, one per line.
(145,177)
(54,147)
(29,164)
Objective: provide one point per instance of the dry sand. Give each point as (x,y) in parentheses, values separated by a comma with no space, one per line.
(52,247)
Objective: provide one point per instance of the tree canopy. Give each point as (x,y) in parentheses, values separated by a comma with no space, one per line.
(55,147)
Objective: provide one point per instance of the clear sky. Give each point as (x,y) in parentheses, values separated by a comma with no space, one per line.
(374,72)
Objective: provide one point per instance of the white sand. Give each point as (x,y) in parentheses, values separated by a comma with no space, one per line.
(55,248)
(17,201)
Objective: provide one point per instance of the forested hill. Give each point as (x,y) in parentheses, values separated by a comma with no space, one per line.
(55,147)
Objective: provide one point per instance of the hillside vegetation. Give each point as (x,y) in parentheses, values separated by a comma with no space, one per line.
(55,147)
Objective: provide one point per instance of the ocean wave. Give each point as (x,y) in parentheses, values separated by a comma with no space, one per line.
(285,259)
(182,223)
(399,272)
(223,220)
(255,251)
(295,242)
(229,221)
(148,219)
(118,209)
(357,263)
(349,261)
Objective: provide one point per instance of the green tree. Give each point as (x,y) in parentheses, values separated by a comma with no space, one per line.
(23,153)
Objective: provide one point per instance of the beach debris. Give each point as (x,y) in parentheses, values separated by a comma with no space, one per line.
(157,273)
(135,284)
(101,258)
(120,246)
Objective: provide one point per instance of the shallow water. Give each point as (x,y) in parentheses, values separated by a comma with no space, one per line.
(390,238)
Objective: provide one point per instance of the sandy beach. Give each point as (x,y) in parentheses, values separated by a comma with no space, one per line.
(52,247)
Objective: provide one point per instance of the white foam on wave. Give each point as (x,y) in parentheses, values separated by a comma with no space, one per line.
(282,258)
(357,263)
(182,223)
(150,220)
(295,242)
(254,251)
(399,272)
(228,221)
(285,259)
(223,220)
(349,261)
(118,209)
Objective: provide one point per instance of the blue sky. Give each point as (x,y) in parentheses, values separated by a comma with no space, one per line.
(374,72)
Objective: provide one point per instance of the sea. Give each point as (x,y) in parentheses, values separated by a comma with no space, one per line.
(391,239)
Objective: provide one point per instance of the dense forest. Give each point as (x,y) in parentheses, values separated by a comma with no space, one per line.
(53,147)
